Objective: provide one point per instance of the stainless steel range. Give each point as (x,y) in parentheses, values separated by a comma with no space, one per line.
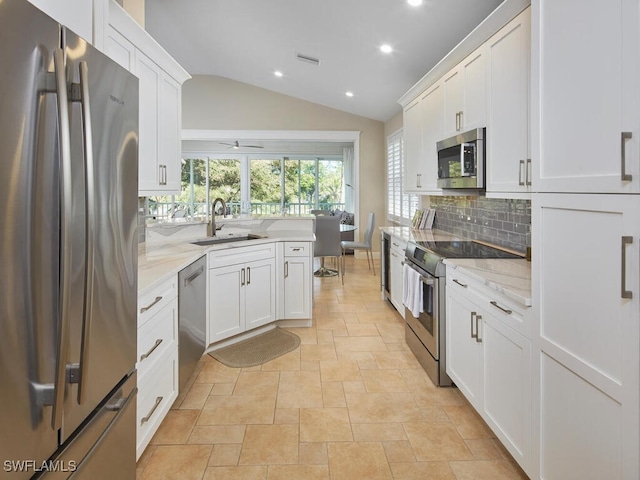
(425,334)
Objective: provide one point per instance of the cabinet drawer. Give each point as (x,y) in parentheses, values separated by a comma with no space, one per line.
(398,245)
(155,337)
(156,394)
(236,255)
(156,299)
(297,249)
(510,312)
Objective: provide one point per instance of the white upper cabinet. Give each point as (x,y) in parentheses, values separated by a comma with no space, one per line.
(160,112)
(413,161)
(118,48)
(465,96)
(585,58)
(432,106)
(508,163)
(78,16)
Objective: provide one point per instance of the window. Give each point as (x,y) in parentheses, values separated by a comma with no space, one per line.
(258,185)
(400,205)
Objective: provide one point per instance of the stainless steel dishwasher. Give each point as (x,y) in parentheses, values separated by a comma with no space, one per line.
(192,292)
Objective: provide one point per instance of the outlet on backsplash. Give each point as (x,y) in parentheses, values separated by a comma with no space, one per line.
(504,222)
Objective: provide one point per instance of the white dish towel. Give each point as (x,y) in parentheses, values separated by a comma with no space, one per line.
(412,290)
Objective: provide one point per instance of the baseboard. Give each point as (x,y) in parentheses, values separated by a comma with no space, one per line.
(303,322)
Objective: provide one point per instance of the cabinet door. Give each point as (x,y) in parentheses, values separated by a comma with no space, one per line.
(432,106)
(507,386)
(120,49)
(395,267)
(259,288)
(297,287)
(412,118)
(149,75)
(453,86)
(585,61)
(226,302)
(508,169)
(474,109)
(464,353)
(169,128)
(585,280)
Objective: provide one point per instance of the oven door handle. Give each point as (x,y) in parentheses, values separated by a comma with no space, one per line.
(423,279)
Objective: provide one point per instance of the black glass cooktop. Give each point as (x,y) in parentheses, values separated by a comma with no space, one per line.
(465,249)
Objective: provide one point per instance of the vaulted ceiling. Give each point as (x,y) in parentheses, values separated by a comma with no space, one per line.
(249,40)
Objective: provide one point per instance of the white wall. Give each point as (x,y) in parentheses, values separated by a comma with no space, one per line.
(217,103)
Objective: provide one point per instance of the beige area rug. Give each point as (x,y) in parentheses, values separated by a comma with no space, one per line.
(257,350)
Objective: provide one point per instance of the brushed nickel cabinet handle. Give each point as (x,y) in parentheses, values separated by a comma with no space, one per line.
(418,180)
(528,173)
(242,280)
(459,283)
(473,317)
(148,307)
(505,310)
(152,411)
(520,169)
(155,345)
(286,269)
(626,177)
(623,283)
(478,318)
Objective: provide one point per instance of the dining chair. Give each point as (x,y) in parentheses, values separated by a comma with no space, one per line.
(327,243)
(365,245)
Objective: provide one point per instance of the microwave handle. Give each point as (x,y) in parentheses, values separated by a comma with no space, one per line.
(462,148)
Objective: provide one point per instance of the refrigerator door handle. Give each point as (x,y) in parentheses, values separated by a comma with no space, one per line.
(65,236)
(89,227)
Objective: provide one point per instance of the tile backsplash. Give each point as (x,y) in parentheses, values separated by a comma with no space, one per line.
(504,222)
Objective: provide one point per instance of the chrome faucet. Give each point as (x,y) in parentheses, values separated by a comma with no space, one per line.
(211,226)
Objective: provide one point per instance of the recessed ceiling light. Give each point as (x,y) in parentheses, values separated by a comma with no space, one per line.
(277,73)
(414,3)
(349,94)
(386,48)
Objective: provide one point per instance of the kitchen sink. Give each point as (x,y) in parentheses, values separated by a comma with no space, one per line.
(227,239)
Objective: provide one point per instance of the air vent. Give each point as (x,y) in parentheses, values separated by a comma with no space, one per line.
(306,58)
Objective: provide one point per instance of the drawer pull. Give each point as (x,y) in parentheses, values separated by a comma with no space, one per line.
(459,283)
(152,411)
(296,249)
(155,345)
(144,309)
(505,310)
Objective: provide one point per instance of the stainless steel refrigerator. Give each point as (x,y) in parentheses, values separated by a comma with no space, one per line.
(68,253)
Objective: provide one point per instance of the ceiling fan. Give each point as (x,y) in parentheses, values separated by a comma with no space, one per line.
(236,145)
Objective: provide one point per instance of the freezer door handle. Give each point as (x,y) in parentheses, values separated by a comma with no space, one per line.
(90,196)
(65,237)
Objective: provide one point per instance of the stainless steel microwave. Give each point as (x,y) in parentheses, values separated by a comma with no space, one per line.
(461,160)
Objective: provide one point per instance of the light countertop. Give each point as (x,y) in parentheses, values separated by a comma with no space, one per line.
(157,261)
(511,277)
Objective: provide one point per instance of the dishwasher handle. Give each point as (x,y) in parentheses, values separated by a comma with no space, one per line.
(193,276)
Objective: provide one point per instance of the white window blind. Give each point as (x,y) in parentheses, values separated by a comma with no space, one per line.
(400,205)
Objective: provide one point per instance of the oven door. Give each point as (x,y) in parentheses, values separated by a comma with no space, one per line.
(425,326)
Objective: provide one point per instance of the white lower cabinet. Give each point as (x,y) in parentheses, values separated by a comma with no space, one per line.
(587,339)
(490,362)
(157,359)
(396,259)
(241,292)
(298,279)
